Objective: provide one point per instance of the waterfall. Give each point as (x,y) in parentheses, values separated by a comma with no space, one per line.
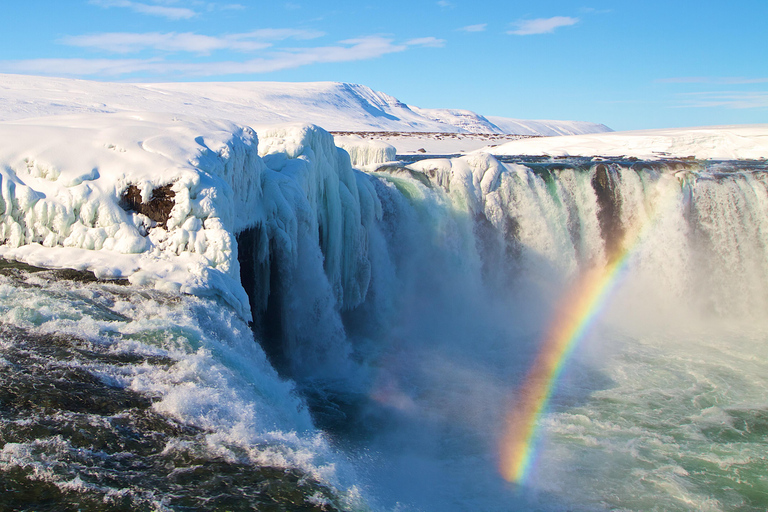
(438,234)
(460,266)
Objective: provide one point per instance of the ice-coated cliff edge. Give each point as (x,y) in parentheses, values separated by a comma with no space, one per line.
(65,201)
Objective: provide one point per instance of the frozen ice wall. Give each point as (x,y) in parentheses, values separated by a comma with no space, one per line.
(66,183)
(364,153)
(158,200)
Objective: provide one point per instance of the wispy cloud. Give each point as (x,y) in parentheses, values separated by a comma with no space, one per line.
(727,99)
(480,27)
(432,42)
(164,11)
(716,80)
(541,25)
(363,48)
(444,3)
(128,42)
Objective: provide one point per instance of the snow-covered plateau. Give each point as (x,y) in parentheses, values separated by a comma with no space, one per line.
(334,106)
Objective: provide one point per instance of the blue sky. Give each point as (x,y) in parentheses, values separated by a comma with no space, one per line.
(630,65)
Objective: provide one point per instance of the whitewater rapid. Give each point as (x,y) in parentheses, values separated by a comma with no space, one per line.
(359,338)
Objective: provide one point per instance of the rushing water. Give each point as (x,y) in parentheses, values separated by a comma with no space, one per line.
(117,397)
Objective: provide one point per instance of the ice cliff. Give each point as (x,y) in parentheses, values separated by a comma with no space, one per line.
(66,200)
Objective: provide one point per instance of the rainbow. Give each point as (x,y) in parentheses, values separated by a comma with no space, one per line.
(577,311)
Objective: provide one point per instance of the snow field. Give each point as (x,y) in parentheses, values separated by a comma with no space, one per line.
(748,142)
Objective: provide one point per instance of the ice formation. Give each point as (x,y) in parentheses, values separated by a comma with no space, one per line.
(365,153)
(64,179)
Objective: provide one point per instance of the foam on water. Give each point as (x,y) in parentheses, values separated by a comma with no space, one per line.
(194,357)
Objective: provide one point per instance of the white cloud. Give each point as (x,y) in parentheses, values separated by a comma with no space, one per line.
(432,42)
(128,42)
(278,34)
(363,48)
(480,27)
(541,25)
(173,13)
(727,99)
(444,3)
(209,6)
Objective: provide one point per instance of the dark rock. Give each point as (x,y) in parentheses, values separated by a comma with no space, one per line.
(159,206)
(11,267)
(609,213)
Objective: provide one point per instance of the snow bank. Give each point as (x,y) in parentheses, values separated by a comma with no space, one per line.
(63,183)
(63,179)
(713,142)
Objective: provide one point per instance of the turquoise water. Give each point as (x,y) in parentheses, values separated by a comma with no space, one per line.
(683,425)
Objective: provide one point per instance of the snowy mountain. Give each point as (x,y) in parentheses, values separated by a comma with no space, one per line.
(332,105)
(466,120)
(471,122)
(546,128)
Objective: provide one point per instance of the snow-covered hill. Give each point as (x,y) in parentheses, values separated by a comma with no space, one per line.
(332,105)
